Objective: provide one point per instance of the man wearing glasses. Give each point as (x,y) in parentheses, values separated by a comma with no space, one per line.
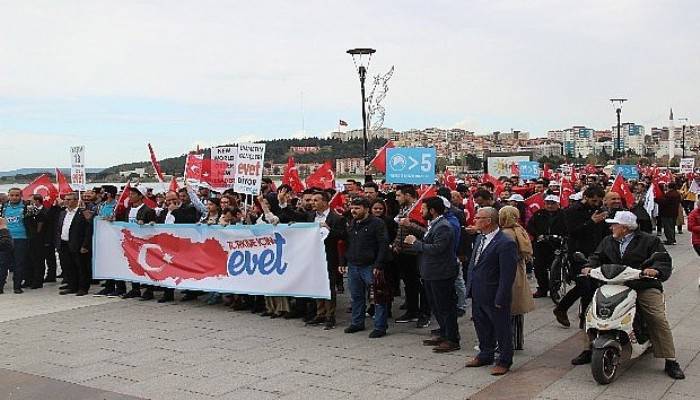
(73,238)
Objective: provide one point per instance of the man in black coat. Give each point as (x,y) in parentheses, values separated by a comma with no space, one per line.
(72,241)
(333,225)
(585,223)
(547,221)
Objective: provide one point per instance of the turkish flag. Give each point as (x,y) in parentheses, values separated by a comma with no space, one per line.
(574,175)
(416,213)
(515,169)
(620,187)
(174,187)
(123,201)
(450,179)
(567,189)
(165,256)
(214,173)
(337,203)
(547,172)
(41,185)
(535,202)
(469,210)
(663,177)
(322,178)
(590,169)
(193,167)
(497,184)
(156,164)
(379,160)
(291,176)
(63,186)
(521,190)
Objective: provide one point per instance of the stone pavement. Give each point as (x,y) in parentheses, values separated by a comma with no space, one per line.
(58,347)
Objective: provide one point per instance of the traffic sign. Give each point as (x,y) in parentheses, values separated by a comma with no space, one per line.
(413,165)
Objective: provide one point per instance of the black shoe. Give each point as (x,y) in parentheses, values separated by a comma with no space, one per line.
(26,285)
(81,293)
(406,318)
(674,370)
(19,291)
(583,358)
(63,287)
(114,294)
(49,280)
(292,315)
(539,293)
(166,299)
(265,314)
(101,293)
(330,324)
(667,243)
(375,334)
(189,297)
(36,286)
(67,291)
(317,321)
(131,294)
(423,322)
(2,290)
(353,329)
(147,295)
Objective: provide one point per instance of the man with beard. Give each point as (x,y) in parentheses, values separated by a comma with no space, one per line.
(548,221)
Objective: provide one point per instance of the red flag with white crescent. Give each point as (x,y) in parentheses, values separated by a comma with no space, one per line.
(469,210)
(291,176)
(322,178)
(416,214)
(450,179)
(620,187)
(337,203)
(41,185)
(174,187)
(123,201)
(535,202)
(166,256)
(193,167)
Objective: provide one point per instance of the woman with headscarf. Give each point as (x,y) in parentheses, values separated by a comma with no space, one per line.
(509,222)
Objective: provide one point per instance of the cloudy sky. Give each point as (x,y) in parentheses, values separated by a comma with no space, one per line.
(114,75)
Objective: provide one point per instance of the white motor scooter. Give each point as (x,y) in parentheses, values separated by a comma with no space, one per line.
(617,333)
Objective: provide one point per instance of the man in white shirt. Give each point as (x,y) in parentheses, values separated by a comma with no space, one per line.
(73,236)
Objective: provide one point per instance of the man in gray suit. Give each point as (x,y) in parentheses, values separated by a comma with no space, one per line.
(439,267)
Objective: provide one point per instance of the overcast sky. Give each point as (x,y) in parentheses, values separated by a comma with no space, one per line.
(114,75)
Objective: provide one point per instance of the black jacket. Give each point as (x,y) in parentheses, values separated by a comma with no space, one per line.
(437,256)
(366,243)
(584,234)
(544,222)
(186,214)
(642,246)
(5,240)
(337,227)
(79,233)
(145,214)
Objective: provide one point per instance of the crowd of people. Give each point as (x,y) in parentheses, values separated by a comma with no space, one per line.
(475,239)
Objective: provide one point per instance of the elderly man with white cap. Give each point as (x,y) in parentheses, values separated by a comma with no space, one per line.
(629,246)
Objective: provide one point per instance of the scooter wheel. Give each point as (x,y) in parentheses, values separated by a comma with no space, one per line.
(605,365)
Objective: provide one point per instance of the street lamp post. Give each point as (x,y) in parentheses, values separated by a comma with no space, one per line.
(617,103)
(358,58)
(685,121)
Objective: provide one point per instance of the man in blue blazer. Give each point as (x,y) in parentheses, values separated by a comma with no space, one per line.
(490,285)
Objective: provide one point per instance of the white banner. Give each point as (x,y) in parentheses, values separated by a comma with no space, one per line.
(77,167)
(687,165)
(282,260)
(501,166)
(249,168)
(228,154)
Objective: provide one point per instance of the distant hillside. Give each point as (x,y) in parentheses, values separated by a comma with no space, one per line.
(33,171)
(276,151)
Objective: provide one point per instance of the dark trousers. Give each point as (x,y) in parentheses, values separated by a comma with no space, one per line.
(120,286)
(416,301)
(75,271)
(697,248)
(443,302)
(50,257)
(37,265)
(543,258)
(14,260)
(669,226)
(583,289)
(493,327)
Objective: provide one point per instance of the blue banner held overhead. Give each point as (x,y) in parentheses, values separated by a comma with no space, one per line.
(529,170)
(412,165)
(627,171)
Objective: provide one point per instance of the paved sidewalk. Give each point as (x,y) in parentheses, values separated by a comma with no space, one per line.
(113,348)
